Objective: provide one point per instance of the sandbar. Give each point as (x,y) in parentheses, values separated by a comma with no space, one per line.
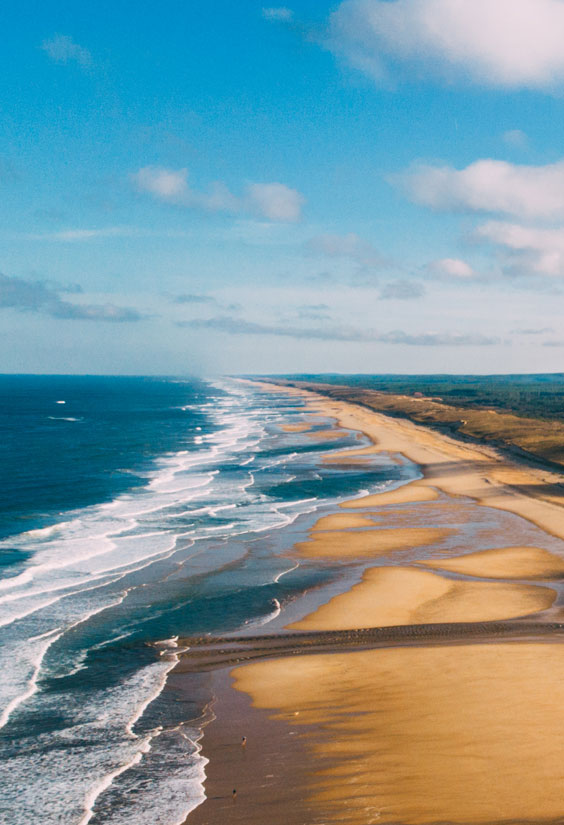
(404,595)
(296,428)
(344,521)
(370,543)
(505,563)
(408,494)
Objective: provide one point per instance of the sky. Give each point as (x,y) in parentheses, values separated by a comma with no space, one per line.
(213,187)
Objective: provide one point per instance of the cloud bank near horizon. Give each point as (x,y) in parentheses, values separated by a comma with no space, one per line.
(238,326)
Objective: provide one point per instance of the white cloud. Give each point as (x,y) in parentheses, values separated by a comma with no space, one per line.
(62,49)
(166,184)
(451,269)
(499,43)
(527,251)
(526,192)
(273,201)
(280,13)
(76,235)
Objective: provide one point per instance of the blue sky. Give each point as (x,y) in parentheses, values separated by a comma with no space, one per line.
(363,186)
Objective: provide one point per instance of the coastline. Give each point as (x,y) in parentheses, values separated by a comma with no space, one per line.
(335,699)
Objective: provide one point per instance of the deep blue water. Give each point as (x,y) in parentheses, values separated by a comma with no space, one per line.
(56,456)
(139,510)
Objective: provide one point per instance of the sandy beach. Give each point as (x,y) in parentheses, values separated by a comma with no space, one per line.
(467,732)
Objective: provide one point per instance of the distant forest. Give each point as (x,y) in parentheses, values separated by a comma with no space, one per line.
(534,396)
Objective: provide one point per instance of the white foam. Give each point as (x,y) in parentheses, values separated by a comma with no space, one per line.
(32,656)
(277,578)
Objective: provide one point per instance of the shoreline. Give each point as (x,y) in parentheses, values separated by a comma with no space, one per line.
(511,485)
(476,586)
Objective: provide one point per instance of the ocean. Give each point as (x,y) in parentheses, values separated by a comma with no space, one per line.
(134,511)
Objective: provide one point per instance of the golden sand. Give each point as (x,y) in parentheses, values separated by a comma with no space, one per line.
(296,428)
(461,734)
(506,563)
(344,521)
(372,543)
(407,494)
(404,595)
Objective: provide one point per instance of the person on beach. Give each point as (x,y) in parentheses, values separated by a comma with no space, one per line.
(234,794)
(243,741)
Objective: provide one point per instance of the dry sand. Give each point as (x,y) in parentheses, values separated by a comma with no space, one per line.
(404,595)
(407,494)
(505,563)
(345,521)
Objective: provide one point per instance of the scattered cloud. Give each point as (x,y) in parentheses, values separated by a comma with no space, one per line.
(193,299)
(77,235)
(516,138)
(314,312)
(439,339)
(402,291)
(94,312)
(238,326)
(278,13)
(62,49)
(273,201)
(554,343)
(510,44)
(525,192)
(165,184)
(346,246)
(451,269)
(41,297)
(529,331)
(525,250)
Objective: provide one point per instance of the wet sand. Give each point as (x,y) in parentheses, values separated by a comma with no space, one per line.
(296,428)
(464,733)
(267,773)
(341,544)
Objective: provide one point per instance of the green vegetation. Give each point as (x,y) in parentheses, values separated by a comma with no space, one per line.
(534,396)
